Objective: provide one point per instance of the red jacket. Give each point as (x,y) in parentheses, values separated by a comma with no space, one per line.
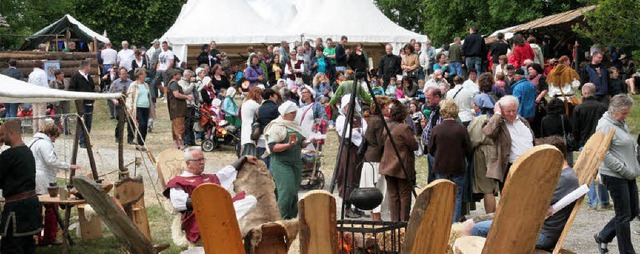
(521,53)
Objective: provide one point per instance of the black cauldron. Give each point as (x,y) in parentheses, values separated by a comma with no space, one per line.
(366,198)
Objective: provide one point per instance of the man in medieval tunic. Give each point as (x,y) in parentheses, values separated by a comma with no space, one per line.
(180,188)
(21,217)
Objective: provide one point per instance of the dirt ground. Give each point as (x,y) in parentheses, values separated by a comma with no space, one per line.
(580,239)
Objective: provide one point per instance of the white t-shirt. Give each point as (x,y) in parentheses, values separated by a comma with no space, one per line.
(521,139)
(469,84)
(109,56)
(464,99)
(125,57)
(164,59)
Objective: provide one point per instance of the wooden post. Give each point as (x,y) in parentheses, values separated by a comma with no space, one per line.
(80,126)
(130,193)
(124,172)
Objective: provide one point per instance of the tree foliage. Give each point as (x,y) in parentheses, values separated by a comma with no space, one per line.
(442,20)
(138,21)
(613,22)
(24,23)
(406,13)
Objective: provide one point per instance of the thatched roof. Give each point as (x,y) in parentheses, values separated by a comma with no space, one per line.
(3,22)
(556,19)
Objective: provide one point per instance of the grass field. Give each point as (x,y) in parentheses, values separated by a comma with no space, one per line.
(160,139)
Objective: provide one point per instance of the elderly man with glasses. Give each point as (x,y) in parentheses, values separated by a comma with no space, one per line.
(180,188)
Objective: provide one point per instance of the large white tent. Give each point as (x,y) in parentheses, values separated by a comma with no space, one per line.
(272,21)
(359,20)
(225,21)
(17,91)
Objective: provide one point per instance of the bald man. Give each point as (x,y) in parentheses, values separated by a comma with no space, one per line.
(21,217)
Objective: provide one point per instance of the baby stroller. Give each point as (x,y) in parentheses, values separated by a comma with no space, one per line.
(312,176)
(217,130)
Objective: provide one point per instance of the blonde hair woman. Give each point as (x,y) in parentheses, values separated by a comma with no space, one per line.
(450,145)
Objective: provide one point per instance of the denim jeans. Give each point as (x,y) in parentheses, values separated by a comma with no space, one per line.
(460,183)
(600,196)
(142,115)
(189,137)
(12,109)
(106,68)
(431,176)
(625,203)
(457,67)
(474,62)
(482,229)
(113,110)
(88,118)
(154,85)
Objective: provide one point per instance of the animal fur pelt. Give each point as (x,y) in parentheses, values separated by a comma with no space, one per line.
(255,235)
(257,181)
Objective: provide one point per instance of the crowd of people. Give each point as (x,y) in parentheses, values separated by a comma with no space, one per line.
(471,108)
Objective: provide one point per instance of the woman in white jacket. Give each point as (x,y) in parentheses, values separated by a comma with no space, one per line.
(47,167)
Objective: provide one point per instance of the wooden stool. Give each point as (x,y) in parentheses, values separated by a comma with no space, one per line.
(89,229)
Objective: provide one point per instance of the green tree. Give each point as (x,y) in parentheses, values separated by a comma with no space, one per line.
(139,21)
(613,22)
(442,20)
(446,19)
(25,17)
(406,13)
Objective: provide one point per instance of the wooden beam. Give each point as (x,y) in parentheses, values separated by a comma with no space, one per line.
(117,221)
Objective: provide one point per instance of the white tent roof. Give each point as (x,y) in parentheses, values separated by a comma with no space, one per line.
(272,21)
(87,30)
(17,91)
(225,21)
(359,20)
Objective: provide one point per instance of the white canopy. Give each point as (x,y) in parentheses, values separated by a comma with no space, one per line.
(359,20)
(17,91)
(273,21)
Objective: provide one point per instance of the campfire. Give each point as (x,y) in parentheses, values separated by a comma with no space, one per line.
(370,236)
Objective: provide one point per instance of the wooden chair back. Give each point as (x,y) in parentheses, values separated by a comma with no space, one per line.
(216,219)
(170,163)
(525,200)
(586,168)
(318,224)
(430,223)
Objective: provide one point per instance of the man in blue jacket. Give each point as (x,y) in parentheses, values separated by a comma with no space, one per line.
(525,91)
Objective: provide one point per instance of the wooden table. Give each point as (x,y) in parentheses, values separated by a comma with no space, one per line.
(46,199)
